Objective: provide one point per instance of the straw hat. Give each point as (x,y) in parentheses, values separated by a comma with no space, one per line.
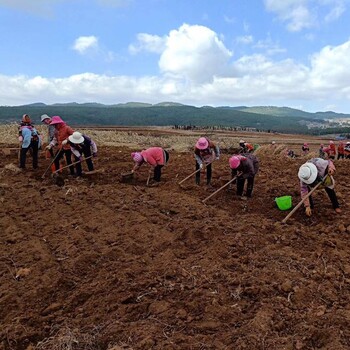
(307,173)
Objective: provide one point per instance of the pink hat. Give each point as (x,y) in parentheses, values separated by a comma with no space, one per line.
(137,157)
(331,142)
(306,144)
(234,162)
(202,143)
(321,144)
(56,120)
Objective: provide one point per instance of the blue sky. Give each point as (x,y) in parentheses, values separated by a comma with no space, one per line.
(291,53)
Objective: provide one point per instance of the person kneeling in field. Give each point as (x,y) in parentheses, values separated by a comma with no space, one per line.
(156,157)
(310,174)
(82,145)
(245,167)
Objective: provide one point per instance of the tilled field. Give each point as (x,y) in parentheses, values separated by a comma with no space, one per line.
(101,264)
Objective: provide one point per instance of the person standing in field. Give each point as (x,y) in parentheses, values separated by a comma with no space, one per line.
(29,141)
(205,152)
(62,132)
(341,152)
(82,145)
(156,157)
(245,167)
(46,120)
(321,152)
(310,174)
(332,151)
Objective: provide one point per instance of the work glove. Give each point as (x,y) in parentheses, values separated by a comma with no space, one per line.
(64,142)
(201,166)
(308,211)
(20,138)
(217,158)
(48,147)
(94,154)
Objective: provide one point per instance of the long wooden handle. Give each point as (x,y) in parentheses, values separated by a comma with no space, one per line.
(186,178)
(195,172)
(53,160)
(300,203)
(67,166)
(222,187)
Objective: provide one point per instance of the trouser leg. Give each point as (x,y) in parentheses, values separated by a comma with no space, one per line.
(58,156)
(198,174)
(208,174)
(68,155)
(157,173)
(35,147)
(23,157)
(310,199)
(250,185)
(333,197)
(89,163)
(240,186)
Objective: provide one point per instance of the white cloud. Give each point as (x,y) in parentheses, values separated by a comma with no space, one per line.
(246,39)
(196,68)
(303,14)
(195,53)
(85,44)
(148,42)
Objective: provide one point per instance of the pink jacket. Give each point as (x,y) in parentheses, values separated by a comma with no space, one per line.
(154,156)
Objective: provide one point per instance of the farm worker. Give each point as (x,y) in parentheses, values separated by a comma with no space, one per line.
(82,145)
(30,140)
(45,119)
(321,152)
(156,157)
(205,152)
(305,148)
(246,167)
(341,152)
(332,151)
(310,174)
(347,150)
(62,132)
(245,147)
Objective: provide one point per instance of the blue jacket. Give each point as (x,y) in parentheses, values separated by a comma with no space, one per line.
(27,135)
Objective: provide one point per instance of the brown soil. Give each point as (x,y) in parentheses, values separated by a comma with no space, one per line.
(105,264)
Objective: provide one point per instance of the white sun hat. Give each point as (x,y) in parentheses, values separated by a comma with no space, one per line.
(76,137)
(44,116)
(307,173)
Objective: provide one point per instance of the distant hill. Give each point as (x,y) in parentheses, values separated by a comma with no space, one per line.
(279,119)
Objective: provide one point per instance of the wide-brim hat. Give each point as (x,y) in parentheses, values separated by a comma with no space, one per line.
(202,143)
(307,173)
(44,116)
(56,120)
(76,137)
(234,162)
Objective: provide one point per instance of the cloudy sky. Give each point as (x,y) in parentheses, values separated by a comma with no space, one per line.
(293,53)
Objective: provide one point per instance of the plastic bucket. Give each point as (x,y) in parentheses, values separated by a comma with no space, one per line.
(284,203)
